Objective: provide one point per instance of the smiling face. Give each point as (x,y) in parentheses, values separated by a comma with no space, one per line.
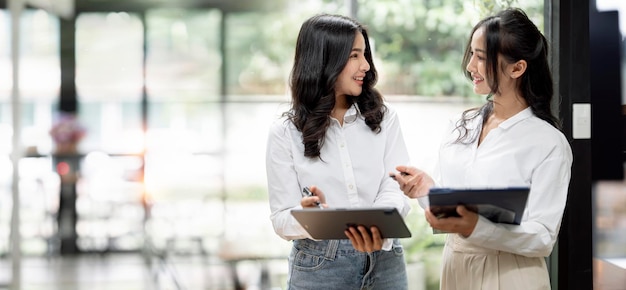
(350,80)
(477,65)
(505,75)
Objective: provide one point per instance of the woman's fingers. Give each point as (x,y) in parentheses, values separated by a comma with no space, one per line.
(365,240)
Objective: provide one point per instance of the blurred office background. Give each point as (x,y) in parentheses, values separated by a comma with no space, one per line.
(162,184)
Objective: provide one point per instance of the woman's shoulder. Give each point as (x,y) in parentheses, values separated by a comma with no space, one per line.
(544,128)
(546,134)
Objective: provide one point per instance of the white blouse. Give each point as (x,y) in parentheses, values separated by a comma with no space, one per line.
(353,170)
(522,151)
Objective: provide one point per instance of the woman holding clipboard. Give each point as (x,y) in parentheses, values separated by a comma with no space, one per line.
(512,140)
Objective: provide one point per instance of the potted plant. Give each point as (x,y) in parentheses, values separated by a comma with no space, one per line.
(66,134)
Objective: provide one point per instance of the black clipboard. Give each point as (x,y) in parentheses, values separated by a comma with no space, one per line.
(330,223)
(499,205)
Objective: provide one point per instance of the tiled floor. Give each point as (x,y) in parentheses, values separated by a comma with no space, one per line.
(137,272)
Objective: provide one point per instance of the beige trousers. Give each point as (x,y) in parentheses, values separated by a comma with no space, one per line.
(471,267)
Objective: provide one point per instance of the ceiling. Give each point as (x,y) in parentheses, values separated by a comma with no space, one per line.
(131,5)
(142,5)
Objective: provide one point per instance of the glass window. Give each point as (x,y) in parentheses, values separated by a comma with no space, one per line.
(39,78)
(39,87)
(184,166)
(246,135)
(39,60)
(418,47)
(109,56)
(184,61)
(256,58)
(258,61)
(109,80)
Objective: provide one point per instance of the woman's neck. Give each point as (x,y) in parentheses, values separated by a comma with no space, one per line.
(506,106)
(340,109)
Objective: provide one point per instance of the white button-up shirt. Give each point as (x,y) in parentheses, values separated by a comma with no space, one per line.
(352,171)
(522,151)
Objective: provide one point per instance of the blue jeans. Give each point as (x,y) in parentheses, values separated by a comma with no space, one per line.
(335,264)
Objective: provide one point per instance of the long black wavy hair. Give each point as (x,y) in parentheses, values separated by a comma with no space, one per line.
(323,47)
(511,34)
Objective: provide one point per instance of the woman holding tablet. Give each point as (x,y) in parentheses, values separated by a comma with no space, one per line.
(512,140)
(338,136)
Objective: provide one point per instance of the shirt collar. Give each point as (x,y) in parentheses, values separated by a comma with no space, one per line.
(522,115)
(351,114)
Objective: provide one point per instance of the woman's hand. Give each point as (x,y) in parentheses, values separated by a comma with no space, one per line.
(316,200)
(413,182)
(463,225)
(365,240)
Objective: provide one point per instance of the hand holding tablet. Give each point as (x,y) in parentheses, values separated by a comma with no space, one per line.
(330,223)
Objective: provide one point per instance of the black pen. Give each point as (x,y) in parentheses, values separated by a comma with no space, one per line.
(306,192)
(401,173)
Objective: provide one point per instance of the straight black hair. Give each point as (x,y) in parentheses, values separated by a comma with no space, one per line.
(512,35)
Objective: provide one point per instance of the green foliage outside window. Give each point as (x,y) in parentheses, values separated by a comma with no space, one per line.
(418,43)
(421,42)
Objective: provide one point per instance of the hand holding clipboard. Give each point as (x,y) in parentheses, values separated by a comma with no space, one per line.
(499,205)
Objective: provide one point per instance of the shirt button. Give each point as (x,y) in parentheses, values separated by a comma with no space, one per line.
(350,186)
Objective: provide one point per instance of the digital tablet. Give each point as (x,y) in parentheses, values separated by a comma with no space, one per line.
(330,224)
(500,205)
